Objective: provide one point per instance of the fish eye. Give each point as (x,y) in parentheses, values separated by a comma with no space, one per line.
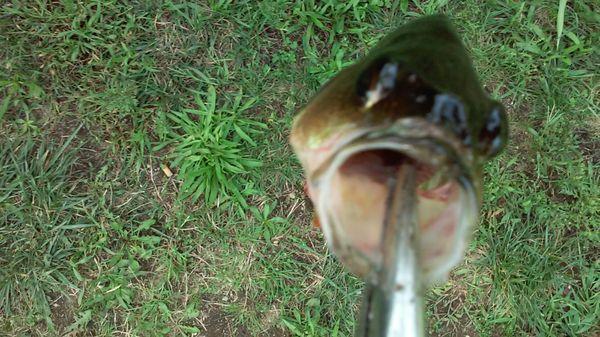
(377,81)
(493,133)
(449,111)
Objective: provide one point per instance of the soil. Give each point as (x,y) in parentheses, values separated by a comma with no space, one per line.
(589,145)
(62,312)
(218,324)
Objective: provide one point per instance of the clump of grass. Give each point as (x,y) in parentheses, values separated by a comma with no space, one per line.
(210,143)
(38,207)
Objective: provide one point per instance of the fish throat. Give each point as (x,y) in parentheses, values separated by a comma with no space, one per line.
(358,187)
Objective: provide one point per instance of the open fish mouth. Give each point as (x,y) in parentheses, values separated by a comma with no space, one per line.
(355,189)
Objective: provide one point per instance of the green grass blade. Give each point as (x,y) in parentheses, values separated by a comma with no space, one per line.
(560,20)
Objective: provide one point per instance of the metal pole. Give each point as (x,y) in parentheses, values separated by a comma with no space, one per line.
(393,302)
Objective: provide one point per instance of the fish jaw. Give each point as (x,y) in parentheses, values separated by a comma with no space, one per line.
(346,181)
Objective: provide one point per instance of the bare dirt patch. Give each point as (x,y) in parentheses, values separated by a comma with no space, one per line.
(62,313)
(216,323)
(589,145)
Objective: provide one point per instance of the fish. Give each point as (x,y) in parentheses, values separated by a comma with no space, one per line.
(413,103)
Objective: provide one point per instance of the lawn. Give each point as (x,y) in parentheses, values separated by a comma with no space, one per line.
(147,187)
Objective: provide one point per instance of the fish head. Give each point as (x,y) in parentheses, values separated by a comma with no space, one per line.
(415,99)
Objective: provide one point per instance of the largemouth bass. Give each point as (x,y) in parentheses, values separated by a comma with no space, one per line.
(411,113)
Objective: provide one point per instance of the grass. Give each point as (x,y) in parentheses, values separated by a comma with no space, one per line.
(105,228)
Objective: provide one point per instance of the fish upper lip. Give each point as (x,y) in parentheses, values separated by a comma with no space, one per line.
(412,136)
